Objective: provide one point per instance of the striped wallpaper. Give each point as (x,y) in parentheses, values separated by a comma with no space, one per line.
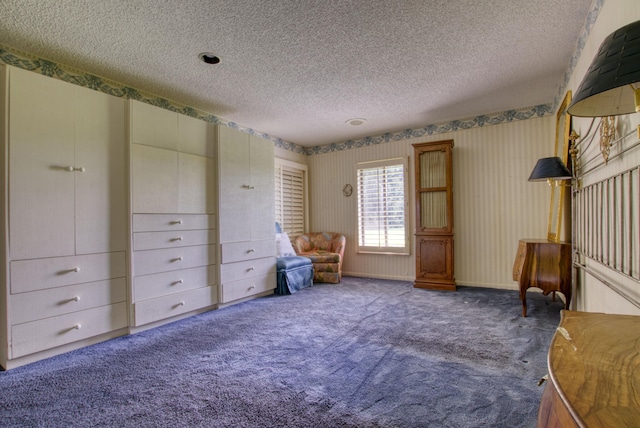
(494,204)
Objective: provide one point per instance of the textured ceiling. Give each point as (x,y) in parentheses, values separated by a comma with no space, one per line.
(298,70)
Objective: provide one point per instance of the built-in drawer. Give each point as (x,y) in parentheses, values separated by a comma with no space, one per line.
(246,269)
(40,274)
(52,302)
(47,333)
(181,238)
(166,222)
(239,251)
(164,260)
(247,287)
(160,284)
(163,307)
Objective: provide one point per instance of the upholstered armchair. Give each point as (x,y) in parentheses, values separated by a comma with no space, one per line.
(326,251)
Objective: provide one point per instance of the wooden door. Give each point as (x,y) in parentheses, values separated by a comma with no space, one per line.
(153,126)
(234,179)
(100,179)
(154,179)
(196,180)
(41,162)
(262,196)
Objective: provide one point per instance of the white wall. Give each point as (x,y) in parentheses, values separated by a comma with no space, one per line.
(494,204)
(593,294)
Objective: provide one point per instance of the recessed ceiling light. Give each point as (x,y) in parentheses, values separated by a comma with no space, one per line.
(209,58)
(356,122)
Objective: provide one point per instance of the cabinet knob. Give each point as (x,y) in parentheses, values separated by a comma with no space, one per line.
(181,303)
(81,169)
(177,282)
(179,221)
(76,269)
(252,287)
(76,298)
(247,186)
(250,269)
(77,326)
(179,238)
(251,250)
(177,259)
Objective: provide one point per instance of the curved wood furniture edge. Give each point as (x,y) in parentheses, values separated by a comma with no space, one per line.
(594,372)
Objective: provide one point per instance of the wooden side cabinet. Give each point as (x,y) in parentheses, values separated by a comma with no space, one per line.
(434,215)
(545,265)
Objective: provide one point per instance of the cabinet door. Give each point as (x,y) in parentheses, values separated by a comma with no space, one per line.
(196,136)
(263,198)
(235,182)
(433,186)
(154,179)
(153,126)
(41,148)
(196,181)
(434,257)
(100,184)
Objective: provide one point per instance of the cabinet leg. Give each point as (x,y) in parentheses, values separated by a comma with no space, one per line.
(523,297)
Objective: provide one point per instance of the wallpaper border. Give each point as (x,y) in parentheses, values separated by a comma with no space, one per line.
(68,74)
(592,16)
(440,128)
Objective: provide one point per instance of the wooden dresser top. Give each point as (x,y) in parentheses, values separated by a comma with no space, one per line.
(594,363)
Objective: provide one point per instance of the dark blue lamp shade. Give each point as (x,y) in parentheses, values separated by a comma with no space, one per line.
(608,88)
(550,168)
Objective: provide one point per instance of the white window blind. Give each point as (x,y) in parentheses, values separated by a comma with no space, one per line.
(382,204)
(290,184)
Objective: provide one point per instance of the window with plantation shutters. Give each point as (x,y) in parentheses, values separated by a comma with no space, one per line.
(382,205)
(290,184)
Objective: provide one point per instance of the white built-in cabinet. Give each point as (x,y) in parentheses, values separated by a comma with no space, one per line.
(246,215)
(173,200)
(119,216)
(64,267)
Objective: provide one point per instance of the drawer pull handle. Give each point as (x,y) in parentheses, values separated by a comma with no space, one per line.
(76,269)
(177,282)
(250,269)
(76,299)
(246,186)
(251,250)
(77,326)
(177,259)
(181,303)
(179,221)
(81,169)
(179,238)
(252,287)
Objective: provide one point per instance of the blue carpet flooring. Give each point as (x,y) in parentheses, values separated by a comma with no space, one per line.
(364,353)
